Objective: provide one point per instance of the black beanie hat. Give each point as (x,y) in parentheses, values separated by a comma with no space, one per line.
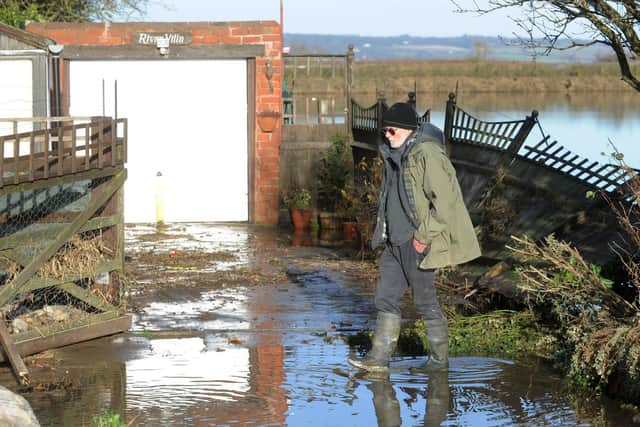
(400,115)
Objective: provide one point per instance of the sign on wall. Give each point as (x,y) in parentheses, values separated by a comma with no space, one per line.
(175,39)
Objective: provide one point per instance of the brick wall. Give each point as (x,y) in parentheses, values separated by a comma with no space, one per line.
(267,97)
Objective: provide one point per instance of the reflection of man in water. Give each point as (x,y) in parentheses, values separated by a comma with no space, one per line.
(438,400)
(422,224)
(385,403)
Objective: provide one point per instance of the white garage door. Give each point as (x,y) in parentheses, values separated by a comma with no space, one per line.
(16,93)
(187,121)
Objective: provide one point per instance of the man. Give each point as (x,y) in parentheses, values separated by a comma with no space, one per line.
(423,225)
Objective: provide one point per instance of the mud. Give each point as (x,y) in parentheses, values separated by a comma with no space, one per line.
(235,326)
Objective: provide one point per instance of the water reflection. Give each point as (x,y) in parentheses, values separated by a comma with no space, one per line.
(438,399)
(274,355)
(183,372)
(438,402)
(385,403)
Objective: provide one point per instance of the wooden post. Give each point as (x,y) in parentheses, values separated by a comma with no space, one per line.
(13,355)
(522,134)
(512,150)
(113,239)
(381,107)
(411,99)
(448,118)
(348,85)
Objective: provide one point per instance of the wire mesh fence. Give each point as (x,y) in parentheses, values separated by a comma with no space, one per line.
(47,281)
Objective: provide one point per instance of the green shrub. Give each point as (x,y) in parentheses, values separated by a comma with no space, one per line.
(108,419)
(335,173)
(299,198)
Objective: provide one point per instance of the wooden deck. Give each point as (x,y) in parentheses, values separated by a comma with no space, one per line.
(58,146)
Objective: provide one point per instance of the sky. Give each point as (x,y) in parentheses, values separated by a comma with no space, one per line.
(426,18)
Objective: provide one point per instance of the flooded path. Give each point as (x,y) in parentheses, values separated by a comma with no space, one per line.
(233,340)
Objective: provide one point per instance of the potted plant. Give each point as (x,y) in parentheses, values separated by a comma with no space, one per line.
(299,203)
(267,120)
(334,173)
(348,211)
(361,196)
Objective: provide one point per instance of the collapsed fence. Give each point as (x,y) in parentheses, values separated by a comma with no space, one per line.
(61,231)
(512,187)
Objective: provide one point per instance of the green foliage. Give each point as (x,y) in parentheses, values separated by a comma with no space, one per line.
(299,198)
(14,15)
(334,174)
(596,328)
(500,333)
(16,12)
(555,275)
(360,197)
(503,333)
(107,419)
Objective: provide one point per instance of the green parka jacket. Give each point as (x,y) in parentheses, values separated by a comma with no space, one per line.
(434,201)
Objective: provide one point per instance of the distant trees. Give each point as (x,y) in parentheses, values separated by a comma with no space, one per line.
(481,51)
(565,24)
(16,12)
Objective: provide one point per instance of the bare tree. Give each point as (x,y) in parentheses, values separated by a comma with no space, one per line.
(566,24)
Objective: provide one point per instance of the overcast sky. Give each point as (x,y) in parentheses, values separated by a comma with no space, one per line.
(358,17)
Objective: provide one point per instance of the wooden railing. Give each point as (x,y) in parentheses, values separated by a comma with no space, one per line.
(313,110)
(308,75)
(606,177)
(507,138)
(462,127)
(366,122)
(510,136)
(58,146)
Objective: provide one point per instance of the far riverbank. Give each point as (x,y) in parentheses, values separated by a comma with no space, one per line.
(472,76)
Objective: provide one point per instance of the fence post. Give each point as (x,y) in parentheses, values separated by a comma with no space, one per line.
(448,118)
(411,99)
(381,107)
(348,88)
(522,134)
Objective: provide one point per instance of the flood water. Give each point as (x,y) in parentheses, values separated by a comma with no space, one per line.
(273,355)
(584,123)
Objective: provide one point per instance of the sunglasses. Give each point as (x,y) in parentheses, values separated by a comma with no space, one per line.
(390,131)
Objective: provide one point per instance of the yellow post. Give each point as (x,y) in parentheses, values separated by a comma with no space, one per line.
(159,199)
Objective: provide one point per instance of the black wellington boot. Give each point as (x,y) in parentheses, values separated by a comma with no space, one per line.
(384,343)
(438,338)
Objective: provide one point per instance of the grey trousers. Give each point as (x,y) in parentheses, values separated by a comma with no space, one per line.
(399,270)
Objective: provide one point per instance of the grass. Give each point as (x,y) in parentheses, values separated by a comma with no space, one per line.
(107,419)
(470,75)
(484,69)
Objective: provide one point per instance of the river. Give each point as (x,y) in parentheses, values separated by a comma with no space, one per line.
(585,123)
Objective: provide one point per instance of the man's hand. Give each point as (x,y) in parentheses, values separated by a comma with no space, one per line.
(419,247)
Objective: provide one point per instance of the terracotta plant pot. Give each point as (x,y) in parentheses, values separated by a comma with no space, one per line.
(350,231)
(267,120)
(301,238)
(301,218)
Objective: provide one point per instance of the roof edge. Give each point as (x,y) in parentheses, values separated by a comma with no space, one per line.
(26,37)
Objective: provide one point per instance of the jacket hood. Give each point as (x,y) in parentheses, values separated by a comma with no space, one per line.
(429,132)
(426,132)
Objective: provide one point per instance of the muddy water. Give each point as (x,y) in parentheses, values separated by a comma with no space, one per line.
(272,355)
